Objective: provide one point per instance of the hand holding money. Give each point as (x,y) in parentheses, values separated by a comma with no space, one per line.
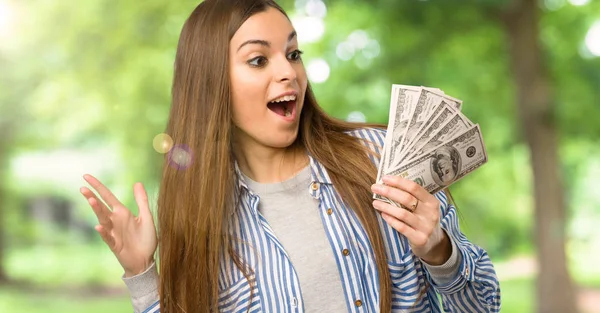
(420,224)
(428,141)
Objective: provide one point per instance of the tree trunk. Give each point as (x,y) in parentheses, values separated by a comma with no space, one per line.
(555,291)
(3,275)
(4,134)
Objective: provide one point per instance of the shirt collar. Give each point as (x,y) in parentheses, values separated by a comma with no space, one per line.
(318,174)
(241,181)
(317,171)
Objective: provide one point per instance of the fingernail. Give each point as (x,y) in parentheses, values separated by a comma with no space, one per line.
(377,188)
(376,204)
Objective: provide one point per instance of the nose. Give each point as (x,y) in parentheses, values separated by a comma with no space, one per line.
(284,71)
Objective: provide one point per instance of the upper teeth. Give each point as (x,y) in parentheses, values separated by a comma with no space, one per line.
(285,98)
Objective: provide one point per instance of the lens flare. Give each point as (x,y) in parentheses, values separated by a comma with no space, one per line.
(180,157)
(162,143)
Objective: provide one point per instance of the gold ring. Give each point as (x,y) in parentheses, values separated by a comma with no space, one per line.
(414,206)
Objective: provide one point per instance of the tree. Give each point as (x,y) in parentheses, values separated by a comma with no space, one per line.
(538,121)
(8,120)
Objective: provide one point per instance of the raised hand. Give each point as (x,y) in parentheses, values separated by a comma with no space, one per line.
(419,221)
(132,239)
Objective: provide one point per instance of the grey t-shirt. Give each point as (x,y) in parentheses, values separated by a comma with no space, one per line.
(293,215)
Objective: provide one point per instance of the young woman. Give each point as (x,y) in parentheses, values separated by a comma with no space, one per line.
(275,212)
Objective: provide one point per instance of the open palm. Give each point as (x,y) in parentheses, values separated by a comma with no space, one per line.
(131,238)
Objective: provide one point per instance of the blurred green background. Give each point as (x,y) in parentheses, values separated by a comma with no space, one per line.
(85,88)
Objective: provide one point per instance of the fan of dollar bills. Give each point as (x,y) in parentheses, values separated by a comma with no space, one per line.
(429,140)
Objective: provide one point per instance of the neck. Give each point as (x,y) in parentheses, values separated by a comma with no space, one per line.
(270,165)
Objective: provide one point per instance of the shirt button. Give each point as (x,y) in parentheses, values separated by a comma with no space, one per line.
(329,211)
(314,186)
(294,302)
(358,303)
(345,252)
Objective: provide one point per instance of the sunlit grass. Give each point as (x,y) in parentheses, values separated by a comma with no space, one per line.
(65,265)
(66,280)
(517,295)
(13,300)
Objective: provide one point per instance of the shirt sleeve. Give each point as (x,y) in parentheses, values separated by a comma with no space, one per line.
(475,287)
(445,273)
(143,289)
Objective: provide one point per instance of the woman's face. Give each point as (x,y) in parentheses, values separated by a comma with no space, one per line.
(268,80)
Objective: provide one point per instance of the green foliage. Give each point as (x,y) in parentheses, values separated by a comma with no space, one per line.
(461,47)
(95,78)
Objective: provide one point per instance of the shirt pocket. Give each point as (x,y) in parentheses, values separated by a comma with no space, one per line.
(241,296)
(408,285)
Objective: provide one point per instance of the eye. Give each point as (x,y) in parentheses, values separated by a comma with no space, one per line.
(295,55)
(259,61)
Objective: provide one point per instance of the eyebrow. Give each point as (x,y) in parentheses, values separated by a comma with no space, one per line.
(265,43)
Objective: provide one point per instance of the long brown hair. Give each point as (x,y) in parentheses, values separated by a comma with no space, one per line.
(195,199)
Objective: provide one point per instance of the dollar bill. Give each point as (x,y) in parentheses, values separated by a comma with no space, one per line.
(429,100)
(402,97)
(456,124)
(447,163)
(417,110)
(390,129)
(407,96)
(439,117)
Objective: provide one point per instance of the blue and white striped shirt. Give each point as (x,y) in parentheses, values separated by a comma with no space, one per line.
(276,287)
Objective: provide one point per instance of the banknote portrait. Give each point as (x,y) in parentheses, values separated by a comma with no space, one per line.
(445,165)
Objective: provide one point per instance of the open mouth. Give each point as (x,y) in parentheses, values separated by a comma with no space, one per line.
(284,106)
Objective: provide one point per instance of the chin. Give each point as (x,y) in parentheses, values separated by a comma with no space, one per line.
(282,141)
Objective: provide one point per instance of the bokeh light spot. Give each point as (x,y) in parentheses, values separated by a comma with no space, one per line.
(579,2)
(318,71)
(316,8)
(180,156)
(553,5)
(310,29)
(344,51)
(592,39)
(359,38)
(162,143)
(300,6)
(372,49)
(356,116)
